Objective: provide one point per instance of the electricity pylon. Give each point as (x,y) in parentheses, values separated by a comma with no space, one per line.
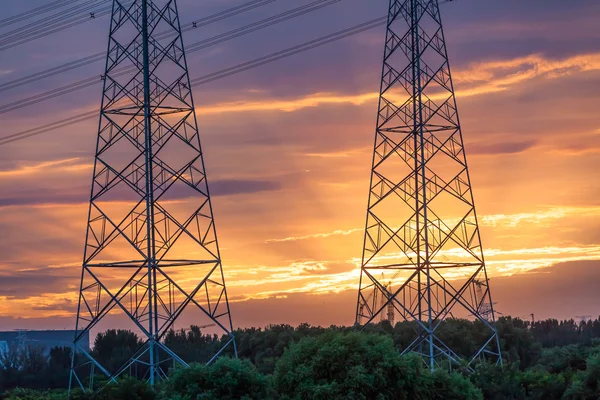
(151,252)
(421,232)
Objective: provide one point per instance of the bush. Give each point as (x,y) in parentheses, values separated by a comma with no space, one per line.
(225,379)
(499,383)
(542,385)
(443,386)
(127,389)
(361,366)
(29,394)
(586,384)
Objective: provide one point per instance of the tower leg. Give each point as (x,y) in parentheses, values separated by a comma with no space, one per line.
(421,231)
(151,255)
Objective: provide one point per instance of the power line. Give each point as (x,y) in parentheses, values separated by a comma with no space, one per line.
(267,22)
(85,83)
(72,17)
(250,5)
(223,14)
(50,72)
(54,23)
(33,12)
(59,16)
(223,73)
(290,51)
(48,127)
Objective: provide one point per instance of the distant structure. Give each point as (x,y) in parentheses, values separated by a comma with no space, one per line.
(151,252)
(45,340)
(422,254)
(582,318)
(384,303)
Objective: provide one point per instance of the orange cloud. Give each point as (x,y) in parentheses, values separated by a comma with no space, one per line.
(484,78)
(504,73)
(69,164)
(494,220)
(313,100)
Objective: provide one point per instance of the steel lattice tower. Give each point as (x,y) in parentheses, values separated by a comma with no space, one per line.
(151,249)
(422,251)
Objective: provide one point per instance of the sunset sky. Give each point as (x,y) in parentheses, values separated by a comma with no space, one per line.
(288,151)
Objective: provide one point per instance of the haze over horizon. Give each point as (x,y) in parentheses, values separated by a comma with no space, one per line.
(288,151)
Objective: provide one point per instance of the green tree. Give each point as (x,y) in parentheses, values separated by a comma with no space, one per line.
(586,385)
(114,347)
(517,342)
(568,358)
(30,394)
(225,379)
(361,366)
(192,344)
(444,386)
(263,347)
(23,366)
(499,383)
(58,368)
(542,385)
(127,389)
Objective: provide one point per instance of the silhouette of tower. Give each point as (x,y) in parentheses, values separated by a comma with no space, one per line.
(151,253)
(421,235)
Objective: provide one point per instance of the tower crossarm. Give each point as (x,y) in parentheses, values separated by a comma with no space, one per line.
(421,234)
(151,253)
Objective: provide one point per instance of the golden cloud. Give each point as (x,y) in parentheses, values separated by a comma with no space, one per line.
(69,164)
(479,78)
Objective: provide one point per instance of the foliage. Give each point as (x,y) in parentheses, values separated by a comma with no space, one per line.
(517,342)
(30,394)
(192,344)
(499,383)
(358,366)
(542,385)
(552,333)
(587,383)
(114,347)
(444,386)
(29,366)
(548,359)
(127,389)
(263,347)
(361,366)
(225,379)
(562,359)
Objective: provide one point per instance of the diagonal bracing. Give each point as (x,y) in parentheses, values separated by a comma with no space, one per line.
(151,254)
(422,256)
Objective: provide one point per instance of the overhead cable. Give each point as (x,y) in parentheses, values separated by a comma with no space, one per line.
(223,73)
(203,44)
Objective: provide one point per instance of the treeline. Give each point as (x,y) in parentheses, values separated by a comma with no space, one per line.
(550,359)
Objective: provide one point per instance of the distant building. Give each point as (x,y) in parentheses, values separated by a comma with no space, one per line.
(44,339)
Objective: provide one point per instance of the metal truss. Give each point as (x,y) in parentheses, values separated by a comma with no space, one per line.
(151,251)
(422,255)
